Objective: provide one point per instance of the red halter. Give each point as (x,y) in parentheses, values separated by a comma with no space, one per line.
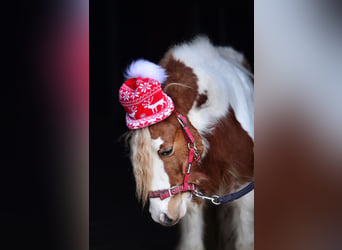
(193,153)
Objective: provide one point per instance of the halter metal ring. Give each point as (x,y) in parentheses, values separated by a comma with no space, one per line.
(193,145)
(214,199)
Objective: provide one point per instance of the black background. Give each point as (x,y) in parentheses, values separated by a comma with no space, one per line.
(121,31)
(35,210)
(38,152)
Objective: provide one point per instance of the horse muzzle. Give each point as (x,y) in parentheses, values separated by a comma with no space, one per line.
(167,221)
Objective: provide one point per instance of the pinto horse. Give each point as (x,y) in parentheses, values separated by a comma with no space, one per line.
(204,149)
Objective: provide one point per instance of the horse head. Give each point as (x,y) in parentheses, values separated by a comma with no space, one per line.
(160,157)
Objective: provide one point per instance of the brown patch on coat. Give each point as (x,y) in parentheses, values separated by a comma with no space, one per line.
(229,162)
(201,99)
(183,96)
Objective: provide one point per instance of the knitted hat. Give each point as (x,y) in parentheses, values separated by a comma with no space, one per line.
(142,97)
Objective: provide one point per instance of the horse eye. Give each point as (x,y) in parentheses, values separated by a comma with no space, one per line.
(166,151)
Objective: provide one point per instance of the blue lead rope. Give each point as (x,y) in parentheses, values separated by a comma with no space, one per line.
(236,195)
(218,200)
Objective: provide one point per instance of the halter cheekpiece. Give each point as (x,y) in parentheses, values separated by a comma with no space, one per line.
(193,154)
(191,187)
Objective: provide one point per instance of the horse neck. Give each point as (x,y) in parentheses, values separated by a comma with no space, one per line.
(229,161)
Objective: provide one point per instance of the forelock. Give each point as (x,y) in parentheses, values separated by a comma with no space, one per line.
(141,158)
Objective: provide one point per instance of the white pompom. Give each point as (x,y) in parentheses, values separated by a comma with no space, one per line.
(146,69)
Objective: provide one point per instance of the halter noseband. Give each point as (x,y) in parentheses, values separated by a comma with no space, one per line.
(191,187)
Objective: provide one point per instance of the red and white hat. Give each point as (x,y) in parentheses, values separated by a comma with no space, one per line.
(142,97)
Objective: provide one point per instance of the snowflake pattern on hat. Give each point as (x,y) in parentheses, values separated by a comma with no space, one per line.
(144,102)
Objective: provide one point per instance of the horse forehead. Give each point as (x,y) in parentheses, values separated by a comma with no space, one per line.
(156,143)
(163,130)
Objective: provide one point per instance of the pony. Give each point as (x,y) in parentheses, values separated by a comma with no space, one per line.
(210,130)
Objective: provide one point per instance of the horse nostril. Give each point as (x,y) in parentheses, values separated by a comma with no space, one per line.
(167,220)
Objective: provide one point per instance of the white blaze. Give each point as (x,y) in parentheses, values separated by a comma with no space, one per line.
(160,180)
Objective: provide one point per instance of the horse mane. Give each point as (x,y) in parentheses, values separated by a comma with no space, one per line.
(141,146)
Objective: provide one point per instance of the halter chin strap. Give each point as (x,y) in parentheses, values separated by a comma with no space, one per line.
(186,186)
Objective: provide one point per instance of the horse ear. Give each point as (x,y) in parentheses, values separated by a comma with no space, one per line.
(145,69)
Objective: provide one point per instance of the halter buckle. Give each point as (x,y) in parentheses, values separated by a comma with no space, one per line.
(193,145)
(173,190)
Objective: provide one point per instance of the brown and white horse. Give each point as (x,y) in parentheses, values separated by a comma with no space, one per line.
(212,88)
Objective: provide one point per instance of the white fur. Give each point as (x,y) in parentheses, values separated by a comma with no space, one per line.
(225,83)
(146,69)
(160,180)
(243,221)
(192,229)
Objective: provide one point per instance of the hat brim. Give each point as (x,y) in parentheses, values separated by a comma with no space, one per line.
(152,119)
